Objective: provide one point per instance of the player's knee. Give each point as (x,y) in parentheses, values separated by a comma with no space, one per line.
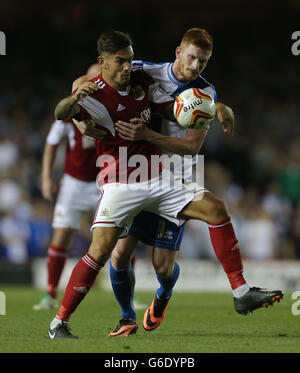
(62,237)
(120,259)
(217,210)
(220,208)
(164,269)
(100,250)
(115,257)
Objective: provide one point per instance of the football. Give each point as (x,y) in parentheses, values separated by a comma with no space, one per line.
(194,108)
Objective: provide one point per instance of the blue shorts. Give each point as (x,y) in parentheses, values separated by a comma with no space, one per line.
(156,231)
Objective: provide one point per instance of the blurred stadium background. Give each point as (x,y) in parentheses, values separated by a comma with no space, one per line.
(257,171)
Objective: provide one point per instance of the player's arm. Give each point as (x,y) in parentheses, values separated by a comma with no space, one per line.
(68,107)
(188,145)
(226,117)
(167,111)
(137,130)
(88,129)
(58,131)
(48,186)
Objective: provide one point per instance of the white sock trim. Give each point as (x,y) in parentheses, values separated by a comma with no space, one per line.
(220,225)
(54,323)
(241,290)
(91,263)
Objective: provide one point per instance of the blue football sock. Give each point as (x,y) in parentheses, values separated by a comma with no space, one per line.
(167,284)
(123,282)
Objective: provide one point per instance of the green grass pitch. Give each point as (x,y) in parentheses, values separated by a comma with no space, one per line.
(194,323)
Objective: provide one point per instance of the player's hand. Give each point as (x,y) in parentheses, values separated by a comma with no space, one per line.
(89,130)
(136,130)
(84,90)
(226,117)
(49,188)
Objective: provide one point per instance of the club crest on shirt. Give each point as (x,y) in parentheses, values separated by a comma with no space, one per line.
(105,212)
(59,213)
(146,115)
(138,92)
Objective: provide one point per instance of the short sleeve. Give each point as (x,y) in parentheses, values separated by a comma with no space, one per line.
(58,131)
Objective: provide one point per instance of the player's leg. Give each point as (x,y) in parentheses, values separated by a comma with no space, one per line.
(74,198)
(83,277)
(167,273)
(138,305)
(57,255)
(165,237)
(122,254)
(122,273)
(167,270)
(56,258)
(123,281)
(213,211)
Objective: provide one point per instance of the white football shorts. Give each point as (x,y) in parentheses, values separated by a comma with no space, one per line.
(74,198)
(120,203)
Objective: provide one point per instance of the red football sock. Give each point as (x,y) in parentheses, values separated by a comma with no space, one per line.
(55,264)
(227,250)
(80,282)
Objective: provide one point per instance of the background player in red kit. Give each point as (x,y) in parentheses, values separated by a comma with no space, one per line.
(118,94)
(77,194)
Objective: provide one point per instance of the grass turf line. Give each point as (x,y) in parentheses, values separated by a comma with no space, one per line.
(194,323)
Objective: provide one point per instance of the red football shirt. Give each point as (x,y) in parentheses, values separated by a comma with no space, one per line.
(106,106)
(81,155)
